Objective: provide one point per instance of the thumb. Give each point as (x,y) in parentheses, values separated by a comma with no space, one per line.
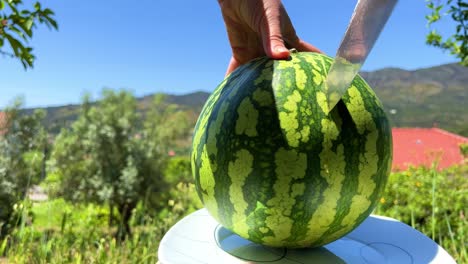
(270,31)
(233,64)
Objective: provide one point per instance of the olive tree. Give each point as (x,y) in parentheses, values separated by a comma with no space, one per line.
(112,155)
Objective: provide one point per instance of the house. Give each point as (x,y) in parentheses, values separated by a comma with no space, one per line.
(423,146)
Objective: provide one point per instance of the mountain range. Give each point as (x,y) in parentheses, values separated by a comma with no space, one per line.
(435,96)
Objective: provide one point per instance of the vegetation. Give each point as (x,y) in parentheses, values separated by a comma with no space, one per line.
(77,233)
(110,156)
(17,24)
(22,142)
(427,97)
(433,202)
(114,191)
(63,232)
(81,221)
(457,43)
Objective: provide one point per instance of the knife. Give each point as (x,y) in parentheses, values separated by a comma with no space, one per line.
(368,19)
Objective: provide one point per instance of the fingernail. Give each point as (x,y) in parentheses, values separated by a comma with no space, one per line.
(280,49)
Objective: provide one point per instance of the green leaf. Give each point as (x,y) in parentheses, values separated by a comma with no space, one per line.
(47,12)
(12,6)
(37,6)
(22,21)
(4,245)
(50,22)
(28,24)
(18,31)
(430,5)
(16,46)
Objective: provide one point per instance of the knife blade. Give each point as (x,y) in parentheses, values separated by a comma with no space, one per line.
(368,19)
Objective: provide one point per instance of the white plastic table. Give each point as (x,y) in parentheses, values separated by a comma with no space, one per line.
(198,238)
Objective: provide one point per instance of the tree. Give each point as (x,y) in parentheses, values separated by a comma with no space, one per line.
(456,44)
(17,25)
(111,156)
(21,155)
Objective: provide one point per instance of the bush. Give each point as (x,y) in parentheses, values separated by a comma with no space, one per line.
(433,202)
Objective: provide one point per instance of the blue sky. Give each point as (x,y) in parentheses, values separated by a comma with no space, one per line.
(181,46)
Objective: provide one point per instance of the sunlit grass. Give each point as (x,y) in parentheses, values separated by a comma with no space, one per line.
(433,202)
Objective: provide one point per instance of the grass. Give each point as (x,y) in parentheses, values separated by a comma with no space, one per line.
(62,232)
(434,202)
(55,213)
(33,246)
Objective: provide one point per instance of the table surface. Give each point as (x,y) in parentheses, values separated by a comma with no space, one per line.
(198,238)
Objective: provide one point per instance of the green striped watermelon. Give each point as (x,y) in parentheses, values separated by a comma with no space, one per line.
(270,166)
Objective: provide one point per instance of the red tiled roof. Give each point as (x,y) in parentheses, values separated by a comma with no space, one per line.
(422,146)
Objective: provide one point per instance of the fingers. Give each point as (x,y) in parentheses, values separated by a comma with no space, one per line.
(245,43)
(300,45)
(233,64)
(270,30)
(257,28)
(277,29)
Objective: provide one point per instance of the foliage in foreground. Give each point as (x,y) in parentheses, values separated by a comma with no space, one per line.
(430,201)
(17,24)
(457,43)
(433,202)
(66,233)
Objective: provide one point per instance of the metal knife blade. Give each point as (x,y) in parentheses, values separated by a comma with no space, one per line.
(368,19)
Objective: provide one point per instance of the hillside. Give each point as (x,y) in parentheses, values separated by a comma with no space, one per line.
(424,97)
(416,98)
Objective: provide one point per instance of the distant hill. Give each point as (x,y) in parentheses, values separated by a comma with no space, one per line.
(412,98)
(425,97)
(193,101)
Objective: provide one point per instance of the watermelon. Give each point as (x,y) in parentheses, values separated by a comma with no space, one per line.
(272,167)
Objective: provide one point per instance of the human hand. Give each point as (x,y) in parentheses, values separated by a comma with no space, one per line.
(259,27)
